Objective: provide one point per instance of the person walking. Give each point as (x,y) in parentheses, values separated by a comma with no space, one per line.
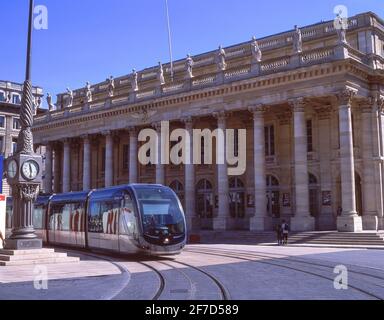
(279,234)
(285,230)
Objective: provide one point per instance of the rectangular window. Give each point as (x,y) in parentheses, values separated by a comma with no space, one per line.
(1,145)
(2,96)
(125,156)
(269,141)
(16,99)
(309,136)
(2,121)
(14,145)
(16,124)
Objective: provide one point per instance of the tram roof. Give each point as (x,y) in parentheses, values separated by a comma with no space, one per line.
(71,197)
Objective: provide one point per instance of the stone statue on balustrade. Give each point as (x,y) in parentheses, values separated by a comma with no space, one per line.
(134,83)
(256,51)
(189,66)
(51,106)
(69,98)
(88,92)
(111,86)
(8,97)
(221,59)
(36,103)
(160,74)
(297,40)
(341,26)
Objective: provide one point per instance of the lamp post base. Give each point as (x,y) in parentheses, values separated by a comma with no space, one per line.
(23,244)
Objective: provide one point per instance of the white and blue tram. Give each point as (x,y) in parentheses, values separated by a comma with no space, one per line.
(126,219)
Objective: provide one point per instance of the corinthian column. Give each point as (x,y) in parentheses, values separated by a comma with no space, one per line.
(86,163)
(190,200)
(220,222)
(302,220)
(160,168)
(48,168)
(108,159)
(349,221)
(133,155)
(67,166)
(370,204)
(260,221)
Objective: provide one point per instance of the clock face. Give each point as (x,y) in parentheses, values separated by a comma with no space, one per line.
(12,169)
(30,169)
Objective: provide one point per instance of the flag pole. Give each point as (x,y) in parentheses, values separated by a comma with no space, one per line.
(169,39)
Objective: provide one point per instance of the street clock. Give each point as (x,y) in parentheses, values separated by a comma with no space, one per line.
(23,168)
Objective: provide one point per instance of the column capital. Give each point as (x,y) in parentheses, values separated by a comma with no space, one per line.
(188,120)
(378,101)
(156,126)
(344,97)
(106,133)
(66,141)
(132,129)
(258,110)
(85,137)
(220,115)
(298,104)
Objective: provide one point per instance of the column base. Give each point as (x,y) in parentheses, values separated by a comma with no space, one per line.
(349,224)
(370,223)
(301,224)
(260,224)
(220,224)
(21,244)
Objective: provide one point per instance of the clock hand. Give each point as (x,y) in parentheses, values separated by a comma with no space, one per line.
(30,171)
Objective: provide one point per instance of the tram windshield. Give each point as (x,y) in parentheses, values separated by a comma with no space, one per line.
(161,212)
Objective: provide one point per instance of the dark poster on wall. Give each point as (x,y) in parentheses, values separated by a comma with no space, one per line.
(286,200)
(327,198)
(250,201)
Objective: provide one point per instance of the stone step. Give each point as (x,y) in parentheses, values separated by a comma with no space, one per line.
(32,256)
(25,252)
(39,261)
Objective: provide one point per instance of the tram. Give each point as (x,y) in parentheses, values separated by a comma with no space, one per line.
(126,219)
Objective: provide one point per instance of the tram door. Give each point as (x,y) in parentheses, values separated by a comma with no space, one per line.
(128,226)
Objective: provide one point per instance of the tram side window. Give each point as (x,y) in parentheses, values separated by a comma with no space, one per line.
(38,217)
(95,219)
(59,218)
(110,213)
(77,218)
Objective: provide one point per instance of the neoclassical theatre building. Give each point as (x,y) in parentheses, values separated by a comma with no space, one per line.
(311,100)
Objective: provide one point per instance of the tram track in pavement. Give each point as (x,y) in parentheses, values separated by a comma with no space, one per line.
(250,256)
(221,294)
(148,262)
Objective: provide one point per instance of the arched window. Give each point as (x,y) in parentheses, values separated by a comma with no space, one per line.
(273,196)
(204,199)
(237,198)
(178,187)
(312,179)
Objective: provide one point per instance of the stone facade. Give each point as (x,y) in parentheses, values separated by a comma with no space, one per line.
(314,121)
(10,99)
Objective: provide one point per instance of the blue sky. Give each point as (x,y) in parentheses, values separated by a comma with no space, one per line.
(89,40)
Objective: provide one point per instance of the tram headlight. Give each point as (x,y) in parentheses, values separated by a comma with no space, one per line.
(166,240)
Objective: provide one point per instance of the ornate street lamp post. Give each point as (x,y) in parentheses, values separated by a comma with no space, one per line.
(24,168)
